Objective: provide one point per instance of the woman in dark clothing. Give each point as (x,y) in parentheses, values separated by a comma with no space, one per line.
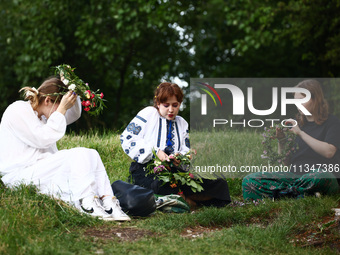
(314,165)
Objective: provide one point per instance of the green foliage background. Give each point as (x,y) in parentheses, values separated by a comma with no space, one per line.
(126,48)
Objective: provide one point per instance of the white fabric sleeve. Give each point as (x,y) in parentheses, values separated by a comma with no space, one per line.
(27,127)
(74,112)
(184,133)
(133,140)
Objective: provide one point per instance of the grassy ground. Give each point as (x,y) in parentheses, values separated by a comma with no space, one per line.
(32,223)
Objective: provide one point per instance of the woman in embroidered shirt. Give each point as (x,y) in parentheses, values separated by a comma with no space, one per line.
(29,131)
(160,128)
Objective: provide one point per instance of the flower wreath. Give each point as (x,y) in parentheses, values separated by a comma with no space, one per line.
(270,144)
(92,102)
(167,172)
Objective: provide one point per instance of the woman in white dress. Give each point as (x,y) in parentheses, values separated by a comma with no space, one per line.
(29,131)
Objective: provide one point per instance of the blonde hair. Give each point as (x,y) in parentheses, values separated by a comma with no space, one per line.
(52,87)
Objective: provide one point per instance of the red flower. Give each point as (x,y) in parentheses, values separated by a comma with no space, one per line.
(87,103)
(92,96)
(191,175)
(83,103)
(88,94)
(86,109)
(101,95)
(173,185)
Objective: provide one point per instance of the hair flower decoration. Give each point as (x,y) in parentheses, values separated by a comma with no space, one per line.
(30,93)
(35,90)
(72,87)
(92,101)
(66,81)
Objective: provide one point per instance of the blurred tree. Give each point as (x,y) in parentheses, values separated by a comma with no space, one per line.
(241,38)
(29,42)
(131,45)
(126,48)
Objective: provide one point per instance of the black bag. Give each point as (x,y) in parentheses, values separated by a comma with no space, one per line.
(134,200)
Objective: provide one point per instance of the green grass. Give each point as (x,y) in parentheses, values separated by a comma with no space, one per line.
(32,223)
(234,149)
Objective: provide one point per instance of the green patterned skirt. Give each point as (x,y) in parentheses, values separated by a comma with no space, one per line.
(277,185)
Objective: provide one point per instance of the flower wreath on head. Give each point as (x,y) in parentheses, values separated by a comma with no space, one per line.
(270,144)
(92,102)
(168,172)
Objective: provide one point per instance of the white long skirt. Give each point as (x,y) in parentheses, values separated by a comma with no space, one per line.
(67,174)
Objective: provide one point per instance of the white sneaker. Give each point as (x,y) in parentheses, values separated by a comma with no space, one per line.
(91,206)
(111,206)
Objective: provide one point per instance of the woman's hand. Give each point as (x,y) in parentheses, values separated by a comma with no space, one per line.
(68,100)
(279,134)
(323,148)
(295,129)
(174,159)
(162,155)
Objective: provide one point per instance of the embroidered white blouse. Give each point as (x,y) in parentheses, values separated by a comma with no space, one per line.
(149,130)
(25,139)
